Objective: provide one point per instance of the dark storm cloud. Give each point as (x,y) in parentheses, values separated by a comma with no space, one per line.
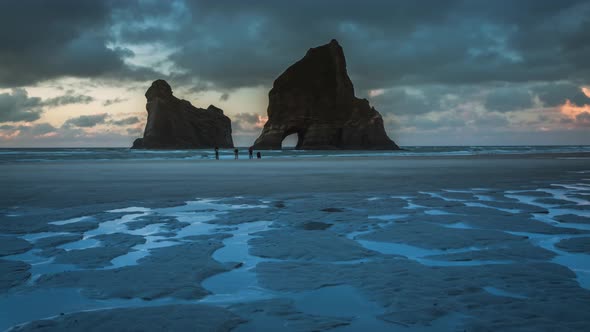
(249,118)
(134,131)
(400,101)
(509,99)
(67,99)
(86,121)
(42,128)
(433,124)
(386,42)
(403,102)
(452,121)
(110,102)
(18,106)
(231,44)
(422,99)
(416,100)
(553,94)
(34,130)
(44,40)
(38,129)
(224,96)
(126,121)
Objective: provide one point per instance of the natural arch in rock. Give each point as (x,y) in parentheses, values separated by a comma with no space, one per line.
(290,141)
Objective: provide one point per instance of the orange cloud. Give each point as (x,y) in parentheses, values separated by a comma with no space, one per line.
(586,91)
(9,136)
(572,110)
(261,121)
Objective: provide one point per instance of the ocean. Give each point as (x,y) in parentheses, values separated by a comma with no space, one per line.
(11,155)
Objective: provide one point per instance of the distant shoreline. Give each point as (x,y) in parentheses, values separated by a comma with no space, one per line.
(101,155)
(244,158)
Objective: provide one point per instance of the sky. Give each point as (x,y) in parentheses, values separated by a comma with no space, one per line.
(73,73)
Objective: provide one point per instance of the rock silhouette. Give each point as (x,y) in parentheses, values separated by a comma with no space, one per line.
(176,124)
(314,98)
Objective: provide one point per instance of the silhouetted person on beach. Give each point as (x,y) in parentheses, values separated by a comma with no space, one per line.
(251,152)
(236,153)
(217,153)
(258,155)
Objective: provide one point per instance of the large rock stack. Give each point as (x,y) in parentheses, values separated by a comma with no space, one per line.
(314,98)
(176,124)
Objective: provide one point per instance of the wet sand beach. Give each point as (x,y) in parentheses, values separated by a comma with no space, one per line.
(446,243)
